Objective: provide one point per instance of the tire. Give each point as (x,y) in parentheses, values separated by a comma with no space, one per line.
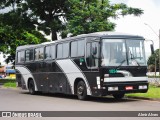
(31,87)
(118,96)
(81,90)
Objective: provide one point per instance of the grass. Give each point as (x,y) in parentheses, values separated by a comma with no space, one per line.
(153,76)
(153,92)
(10,84)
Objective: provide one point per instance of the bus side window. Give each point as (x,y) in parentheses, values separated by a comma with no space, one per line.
(65,50)
(88,54)
(52,51)
(74,49)
(59,51)
(29,55)
(81,49)
(77,48)
(95,54)
(41,53)
(21,57)
(47,52)
(18,57)
(36,54)
(92,54)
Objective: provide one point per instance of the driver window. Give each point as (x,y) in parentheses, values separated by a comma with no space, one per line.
(92,54)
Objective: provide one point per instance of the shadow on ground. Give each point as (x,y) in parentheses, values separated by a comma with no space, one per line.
(106,99)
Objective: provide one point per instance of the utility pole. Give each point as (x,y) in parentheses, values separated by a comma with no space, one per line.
(159,42)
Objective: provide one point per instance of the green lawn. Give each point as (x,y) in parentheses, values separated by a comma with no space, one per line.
(153,92)
(10,84)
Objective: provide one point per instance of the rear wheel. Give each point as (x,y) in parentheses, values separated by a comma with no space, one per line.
(81,90)
(118,96)
(31,87)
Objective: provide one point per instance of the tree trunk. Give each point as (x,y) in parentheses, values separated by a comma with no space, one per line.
(53,36)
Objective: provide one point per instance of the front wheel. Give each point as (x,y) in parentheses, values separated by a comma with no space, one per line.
(31,87)
(118,96)
(81,90)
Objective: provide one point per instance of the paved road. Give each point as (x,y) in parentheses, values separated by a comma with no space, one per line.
(18,100)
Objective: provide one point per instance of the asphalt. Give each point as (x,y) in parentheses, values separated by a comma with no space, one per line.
(20,100)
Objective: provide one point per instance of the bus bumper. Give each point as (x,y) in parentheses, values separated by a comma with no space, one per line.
(119,88)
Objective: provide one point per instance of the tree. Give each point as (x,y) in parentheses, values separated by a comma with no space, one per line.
(18,26)
(153,57)
(16,31)
(82,16)
(45,14)
(87,16)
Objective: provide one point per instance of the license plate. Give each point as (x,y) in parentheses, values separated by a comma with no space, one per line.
(129,87)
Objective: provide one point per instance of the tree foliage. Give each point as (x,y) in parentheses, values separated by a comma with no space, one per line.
(87,16)
(71,16)
(18,25)
(45,14)
(153,57)
(16,31)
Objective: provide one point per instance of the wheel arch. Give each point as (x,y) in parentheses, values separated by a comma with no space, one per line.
(30,79)
(77,80)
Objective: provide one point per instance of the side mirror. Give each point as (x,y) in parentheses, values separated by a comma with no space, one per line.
(152,48)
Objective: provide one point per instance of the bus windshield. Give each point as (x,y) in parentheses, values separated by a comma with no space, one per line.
(123,52)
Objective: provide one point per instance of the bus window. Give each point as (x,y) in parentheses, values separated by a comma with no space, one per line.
(47,52)
(81,48)
(20,57)
(59,51)
(77,48)
(52,51)
(92,54)
(88,54)
(74,49)
(38,54)
(29,55)
(36,51)
(41,54)
(95,54)
(65,50)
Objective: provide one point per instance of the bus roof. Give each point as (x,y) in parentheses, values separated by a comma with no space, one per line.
(95,34)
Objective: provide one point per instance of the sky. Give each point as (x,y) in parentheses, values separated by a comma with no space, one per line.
(136,25)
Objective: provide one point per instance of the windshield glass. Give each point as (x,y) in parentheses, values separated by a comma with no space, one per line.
(136,53)
(119,52)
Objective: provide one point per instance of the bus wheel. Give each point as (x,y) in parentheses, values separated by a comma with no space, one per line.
(31,87)
(81,90)
(118,96)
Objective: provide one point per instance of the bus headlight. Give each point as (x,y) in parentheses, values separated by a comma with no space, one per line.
(143,87)
(112,88)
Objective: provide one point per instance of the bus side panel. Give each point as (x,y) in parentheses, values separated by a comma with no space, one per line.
(20,81)
(58,82)
(91,76)
(33,68)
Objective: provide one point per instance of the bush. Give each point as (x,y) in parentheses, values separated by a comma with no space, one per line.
(2,81)
(151,68)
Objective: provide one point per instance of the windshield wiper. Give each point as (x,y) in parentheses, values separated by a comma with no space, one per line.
(121,63)
(135,61)
(133,58)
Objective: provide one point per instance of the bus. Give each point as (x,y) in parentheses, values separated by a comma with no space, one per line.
(95,64)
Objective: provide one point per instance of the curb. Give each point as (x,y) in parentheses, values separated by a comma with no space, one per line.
(143,98)
(11,88)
